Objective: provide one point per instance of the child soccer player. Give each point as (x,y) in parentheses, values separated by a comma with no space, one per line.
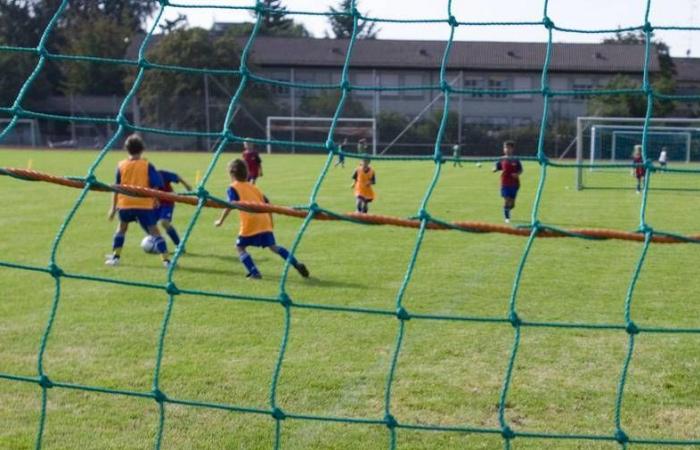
(136,171)
(510,169)
(456,154)
(341,156)
(256,228)
(663,158)
(167,207)
(362,146)
(363,179)
(639,169)
(253,161)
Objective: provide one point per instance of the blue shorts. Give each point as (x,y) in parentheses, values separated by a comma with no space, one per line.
(265,239)
(165,212)
(145,217)
(509,191)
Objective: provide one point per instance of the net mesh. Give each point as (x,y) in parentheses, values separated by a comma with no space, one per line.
(312,210)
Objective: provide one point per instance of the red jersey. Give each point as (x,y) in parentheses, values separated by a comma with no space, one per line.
(168,178)
(639,170)
(510,169)
(253,161)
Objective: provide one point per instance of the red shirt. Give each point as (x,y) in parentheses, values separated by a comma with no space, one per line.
(510,169)
(253,161)
(639,170)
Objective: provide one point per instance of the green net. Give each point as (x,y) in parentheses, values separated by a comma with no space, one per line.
(312,210)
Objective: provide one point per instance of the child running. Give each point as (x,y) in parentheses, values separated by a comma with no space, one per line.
(663,158)
(363,179)
(456,156)
(253,161)
(341,155)
(510,169)
(167,207)
(255,228)
(136,171)
(639,170)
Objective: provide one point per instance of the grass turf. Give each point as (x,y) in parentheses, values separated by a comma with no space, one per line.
(449,373)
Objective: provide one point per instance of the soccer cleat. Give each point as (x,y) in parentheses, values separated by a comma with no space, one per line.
(303,271)
(254,276)
(112,260)
(507,220)
(166,263)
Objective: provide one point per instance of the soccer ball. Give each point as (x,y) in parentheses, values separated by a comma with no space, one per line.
(148,244)
(478,164)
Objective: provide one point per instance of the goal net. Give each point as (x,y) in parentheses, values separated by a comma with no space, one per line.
(24,133)
(605,145)
(307,134)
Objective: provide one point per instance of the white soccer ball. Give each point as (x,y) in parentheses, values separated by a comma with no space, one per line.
(148,244)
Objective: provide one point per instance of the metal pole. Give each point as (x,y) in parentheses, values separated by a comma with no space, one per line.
(207,118)
(460,105)
(293,102)
(268,134)
(579,154)
(375,111)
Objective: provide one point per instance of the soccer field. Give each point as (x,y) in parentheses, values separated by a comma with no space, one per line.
(450,373)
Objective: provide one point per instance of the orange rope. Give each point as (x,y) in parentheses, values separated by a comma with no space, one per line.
(375,219)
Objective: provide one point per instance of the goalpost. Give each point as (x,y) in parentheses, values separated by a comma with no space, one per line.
(24,134)
(297,130)
(612,140)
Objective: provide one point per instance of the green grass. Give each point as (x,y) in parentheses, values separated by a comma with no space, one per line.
(449,373)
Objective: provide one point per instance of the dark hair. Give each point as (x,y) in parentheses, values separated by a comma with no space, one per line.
(134,144)
(238,169)
(509,144)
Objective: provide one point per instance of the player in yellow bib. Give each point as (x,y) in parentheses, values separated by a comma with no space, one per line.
(363,180)
(136,171)
(255,228)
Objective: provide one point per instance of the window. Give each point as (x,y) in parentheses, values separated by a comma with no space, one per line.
(413,79)
(364,79)
(497,84)
(582,84)
(389,80)
(521,84)
(474,83)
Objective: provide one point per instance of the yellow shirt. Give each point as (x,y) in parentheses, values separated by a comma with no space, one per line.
(134,172)
(251,223)
(363,183)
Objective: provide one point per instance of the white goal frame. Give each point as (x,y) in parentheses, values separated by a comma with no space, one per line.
(629,125)
(344,120)
(33,129)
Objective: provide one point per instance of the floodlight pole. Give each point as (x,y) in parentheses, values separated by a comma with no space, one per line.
(579,153)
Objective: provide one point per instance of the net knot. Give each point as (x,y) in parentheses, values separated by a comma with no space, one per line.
(345,85)
(645,229)
(55,271)
(164,2)
(285,300)
(90,179)
(648,28)
(159,396)
(542,159)
(17,110)
(45,382)
(390,421)
(355,12)
(445,86)
(171,289)
(632,328)
(536,226)
(202,193)
(121,120)
(42,52)
(423,215)
(546,92)
(330,145)
(278,414)
(621,436)
(402,314)
(144,64)
(514,319)
(453,21)
(648,89)
(548,23)
(314,208)
(244,71)
(507,433)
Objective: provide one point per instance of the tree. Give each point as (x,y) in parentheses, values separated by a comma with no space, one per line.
(175,100)
(100,36)
(342,24)
(276,22)
(634,105)
(325,105)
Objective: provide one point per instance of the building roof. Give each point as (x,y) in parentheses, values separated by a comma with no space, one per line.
(411,54)
(687,69)
(405,54)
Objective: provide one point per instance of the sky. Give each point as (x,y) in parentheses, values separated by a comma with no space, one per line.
(580,14)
